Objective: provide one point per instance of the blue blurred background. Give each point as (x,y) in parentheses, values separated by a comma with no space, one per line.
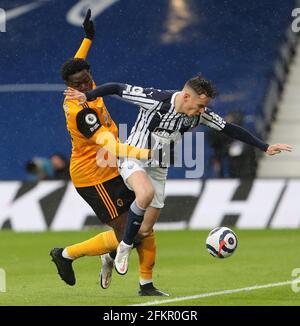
(158,43)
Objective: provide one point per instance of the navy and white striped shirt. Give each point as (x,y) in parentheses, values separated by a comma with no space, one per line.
(159,122)
(158,119)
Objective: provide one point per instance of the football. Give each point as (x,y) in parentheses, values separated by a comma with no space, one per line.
(221,242)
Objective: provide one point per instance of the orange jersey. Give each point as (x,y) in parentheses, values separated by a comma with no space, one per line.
(84,124)
(84,171)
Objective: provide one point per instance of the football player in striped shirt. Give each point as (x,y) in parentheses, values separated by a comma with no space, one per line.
(163,117)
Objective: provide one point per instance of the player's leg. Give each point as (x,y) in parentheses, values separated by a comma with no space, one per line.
(107,260)
(100,244)
(147,248)
(147,253)
(138,181)
(110,202)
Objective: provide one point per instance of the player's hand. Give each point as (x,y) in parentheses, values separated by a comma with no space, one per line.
(88,26)
(277,148)
(73,94)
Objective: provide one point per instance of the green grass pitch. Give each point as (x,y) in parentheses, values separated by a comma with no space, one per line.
(183,268)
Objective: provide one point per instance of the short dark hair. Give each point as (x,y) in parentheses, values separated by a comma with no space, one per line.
(72,66)
(202,86)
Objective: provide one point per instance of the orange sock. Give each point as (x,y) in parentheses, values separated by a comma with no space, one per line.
(147,252)
(101,244)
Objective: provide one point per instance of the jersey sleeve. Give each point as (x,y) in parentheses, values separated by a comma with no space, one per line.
(87,122)
(212,120)
(245,136)
(84,48)
(146,98)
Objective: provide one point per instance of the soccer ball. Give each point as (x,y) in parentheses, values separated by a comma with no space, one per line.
(221,242)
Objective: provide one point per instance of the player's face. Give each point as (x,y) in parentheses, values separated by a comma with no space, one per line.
(194,105)
(82,81)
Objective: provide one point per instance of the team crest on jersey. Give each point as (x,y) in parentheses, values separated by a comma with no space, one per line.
(90,119)
(187,121)
(120,202)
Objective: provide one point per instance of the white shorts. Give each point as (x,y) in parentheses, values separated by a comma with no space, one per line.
(157,175)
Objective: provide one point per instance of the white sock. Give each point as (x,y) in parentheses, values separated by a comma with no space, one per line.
(108,258)
(65,254)
(125,244)
(144,282)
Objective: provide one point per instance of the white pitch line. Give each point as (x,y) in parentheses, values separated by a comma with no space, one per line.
(214,294)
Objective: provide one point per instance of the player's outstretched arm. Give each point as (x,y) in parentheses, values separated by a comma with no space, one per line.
(107,141)
(159,157)
(100,91)
(89,34)
(245,136)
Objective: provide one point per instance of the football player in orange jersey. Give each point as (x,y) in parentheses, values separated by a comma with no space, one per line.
(93,132)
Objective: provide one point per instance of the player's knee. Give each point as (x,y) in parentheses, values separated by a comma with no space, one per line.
(145,196)
(145,231)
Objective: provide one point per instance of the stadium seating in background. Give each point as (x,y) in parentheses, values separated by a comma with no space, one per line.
(159,44)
